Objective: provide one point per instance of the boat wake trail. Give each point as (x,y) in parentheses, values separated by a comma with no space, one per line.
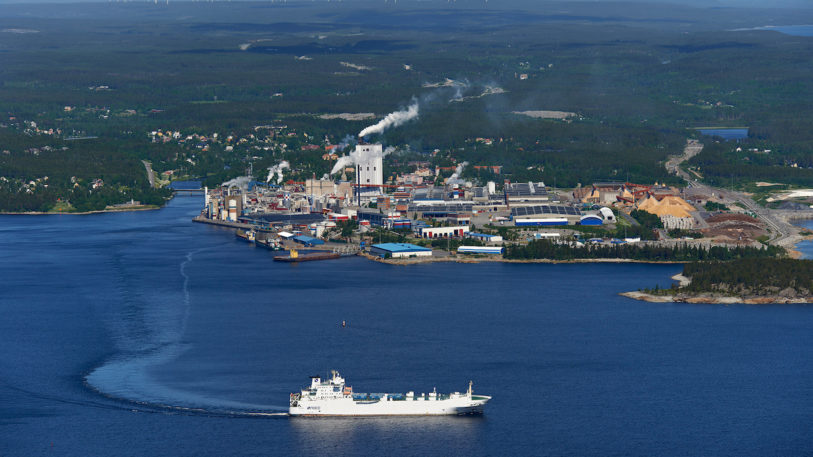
(148,326)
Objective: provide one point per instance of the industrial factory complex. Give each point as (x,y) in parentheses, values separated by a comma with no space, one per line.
(410,220)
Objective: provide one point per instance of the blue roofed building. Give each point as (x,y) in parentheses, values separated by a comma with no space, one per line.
(591,219)
(485,238)
(399,250)
(307,240)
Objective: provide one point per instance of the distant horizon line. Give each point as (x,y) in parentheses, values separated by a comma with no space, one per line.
(734,4)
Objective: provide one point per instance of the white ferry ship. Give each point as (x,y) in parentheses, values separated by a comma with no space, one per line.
(333,397)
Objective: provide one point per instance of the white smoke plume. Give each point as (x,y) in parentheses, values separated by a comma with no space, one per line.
(459,88)
(392,120)
(277,170)
(345,142)
(358,156)
(240,181)
(343,162)
(455,178)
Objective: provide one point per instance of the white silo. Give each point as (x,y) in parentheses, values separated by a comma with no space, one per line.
(233,210)
(370,166)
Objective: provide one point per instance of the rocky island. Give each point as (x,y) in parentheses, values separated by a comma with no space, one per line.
(753,281)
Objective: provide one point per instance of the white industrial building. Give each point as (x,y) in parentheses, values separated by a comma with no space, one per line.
(370,167)
(480,250)
(444,232)
(673,222)
(485,238)
(607,214)
(399,250)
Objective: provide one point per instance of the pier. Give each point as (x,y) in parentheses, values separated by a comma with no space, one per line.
(230,224)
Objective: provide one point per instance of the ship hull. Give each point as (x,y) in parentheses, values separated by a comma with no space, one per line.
(415,407)
(308,257)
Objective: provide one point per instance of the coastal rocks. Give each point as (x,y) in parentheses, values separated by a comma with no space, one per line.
(648,297)
(721,299)
(683,280)
(788,292)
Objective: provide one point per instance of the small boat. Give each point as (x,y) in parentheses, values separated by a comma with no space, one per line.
(270,244)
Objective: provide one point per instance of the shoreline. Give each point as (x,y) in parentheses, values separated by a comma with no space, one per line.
(798,237)
(123,209)
(711,297)
(790,243)
(83,213)
(494,259)
(716,299)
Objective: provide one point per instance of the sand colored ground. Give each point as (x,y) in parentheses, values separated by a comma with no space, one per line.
(669,205)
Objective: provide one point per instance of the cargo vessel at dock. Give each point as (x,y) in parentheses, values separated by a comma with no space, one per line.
(246,235)
(295,256)
(333,397)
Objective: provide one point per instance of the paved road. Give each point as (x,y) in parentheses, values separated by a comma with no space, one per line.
(150,173)
(693,147)
(630,220)
(781,231)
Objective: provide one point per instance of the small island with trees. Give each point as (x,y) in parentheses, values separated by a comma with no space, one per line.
(754,281)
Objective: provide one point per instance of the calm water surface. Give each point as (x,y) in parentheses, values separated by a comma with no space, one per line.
(806,247)
(726,134)
(145,334)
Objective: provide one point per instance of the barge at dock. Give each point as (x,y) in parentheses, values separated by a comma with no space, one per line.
(333,397)
(297,257)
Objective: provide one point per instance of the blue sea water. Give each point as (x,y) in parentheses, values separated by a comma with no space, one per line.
(806,247)
(145,334)
(727,134)
(185,185)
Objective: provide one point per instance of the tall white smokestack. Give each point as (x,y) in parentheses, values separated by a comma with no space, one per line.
(370,166)
(362,154)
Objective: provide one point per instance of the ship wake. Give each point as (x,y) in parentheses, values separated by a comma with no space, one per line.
(148,328)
